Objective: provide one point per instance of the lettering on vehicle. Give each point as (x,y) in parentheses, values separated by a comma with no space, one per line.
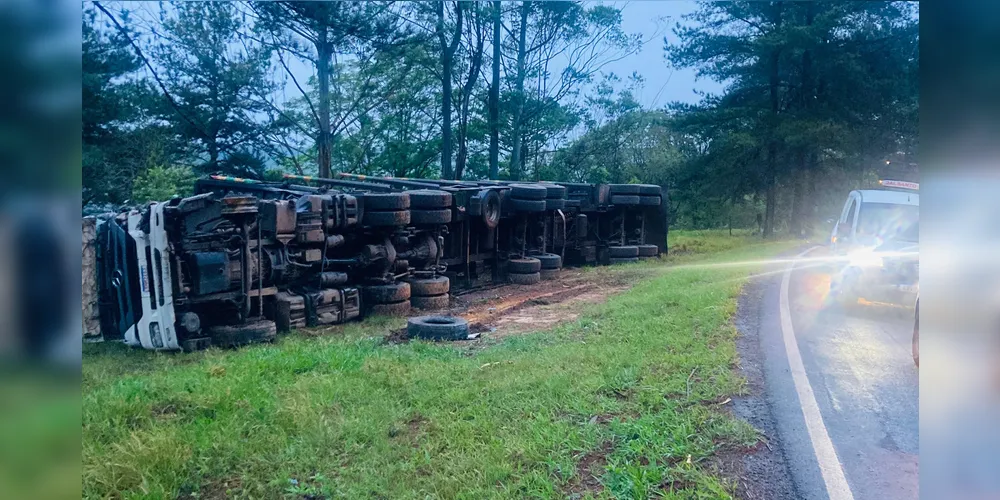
(144,279)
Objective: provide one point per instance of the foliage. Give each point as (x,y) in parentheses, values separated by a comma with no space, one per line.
(159,183)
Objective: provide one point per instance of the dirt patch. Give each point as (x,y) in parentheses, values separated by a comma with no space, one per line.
(501,310)
(589,472)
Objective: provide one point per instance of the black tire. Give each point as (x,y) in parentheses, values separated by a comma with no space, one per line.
(528,205)
(625,199)
(548,274)
(490,202)
(549,260)
(623,189)
(628,251)
(386,294)
(622,260)
(524,278)
(394,309)
(431,303)
(644,189)
(248,333)
(428,287)
(429,199)
(649,201)
(554,204)
(648,250)
(525,265)
(528,191)
(437,328)
(387,201)
(399,218)
(554,191)
(440,216)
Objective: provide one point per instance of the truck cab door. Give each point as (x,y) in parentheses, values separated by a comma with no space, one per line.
(844,231)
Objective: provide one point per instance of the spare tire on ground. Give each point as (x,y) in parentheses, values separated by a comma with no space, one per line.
(623,188)
(428,287)
(387,201)
(430,302)
(623,252)
(524,278)
(437,328)
(526,265)
(528,191)
(429,199)
(439,216)
(549,260)
(247,333)
(648,250)
(625,199)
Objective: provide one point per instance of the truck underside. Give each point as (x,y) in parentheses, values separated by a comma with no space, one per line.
(242,260)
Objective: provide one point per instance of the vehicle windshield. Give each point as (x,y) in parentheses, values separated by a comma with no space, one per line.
(890,222)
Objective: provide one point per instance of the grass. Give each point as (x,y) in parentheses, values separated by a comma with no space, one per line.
(627,393)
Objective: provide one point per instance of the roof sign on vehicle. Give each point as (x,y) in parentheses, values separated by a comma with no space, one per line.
(899,184)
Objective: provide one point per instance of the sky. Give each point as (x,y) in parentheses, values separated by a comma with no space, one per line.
(663,84)
(654,20)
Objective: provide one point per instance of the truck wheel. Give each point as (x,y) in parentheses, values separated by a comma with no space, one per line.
(627,251)
(429,199)
(437,328)
(398,218)
(648,250)
(237,335)
(625,199)
(386,294)
(526,265)
(442,216)
(650,190)
(430,303)
(528,205)
(387,201)
(649,201)
(524,278)
(554,204)
(623,189)
(528,191)
(427,287)
(554,191)
(394,309)
(549,260)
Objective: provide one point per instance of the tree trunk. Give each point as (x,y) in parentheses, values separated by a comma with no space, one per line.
(447,62)
(516,159)
(494,104)
(324,52)
(772,146)
(799,172)
(463,143)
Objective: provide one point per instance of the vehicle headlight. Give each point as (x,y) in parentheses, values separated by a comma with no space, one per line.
(865,258)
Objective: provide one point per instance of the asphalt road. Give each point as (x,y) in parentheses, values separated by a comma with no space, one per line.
(840,389)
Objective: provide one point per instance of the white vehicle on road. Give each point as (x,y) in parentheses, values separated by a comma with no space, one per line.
(876,245)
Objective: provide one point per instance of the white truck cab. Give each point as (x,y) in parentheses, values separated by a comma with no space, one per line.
(876,239)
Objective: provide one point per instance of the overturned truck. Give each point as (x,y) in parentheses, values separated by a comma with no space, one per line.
(242,260)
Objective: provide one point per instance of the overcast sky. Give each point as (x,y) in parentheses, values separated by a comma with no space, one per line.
(663,84)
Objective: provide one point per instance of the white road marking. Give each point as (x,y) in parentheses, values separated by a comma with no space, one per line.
(826,455)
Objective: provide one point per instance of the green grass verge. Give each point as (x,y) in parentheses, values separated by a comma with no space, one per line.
(627,393)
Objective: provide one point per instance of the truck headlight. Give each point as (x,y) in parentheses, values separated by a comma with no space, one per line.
(865,258)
